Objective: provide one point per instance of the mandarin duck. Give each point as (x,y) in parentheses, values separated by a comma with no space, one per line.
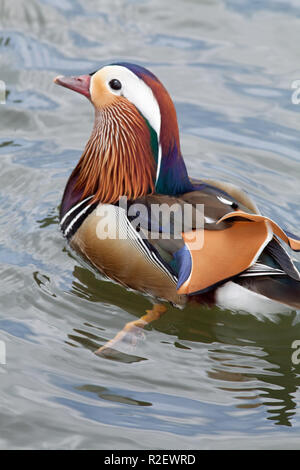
(238,261)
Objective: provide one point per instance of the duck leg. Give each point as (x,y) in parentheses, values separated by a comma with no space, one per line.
(132,330)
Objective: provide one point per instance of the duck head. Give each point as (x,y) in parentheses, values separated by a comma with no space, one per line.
(134,148)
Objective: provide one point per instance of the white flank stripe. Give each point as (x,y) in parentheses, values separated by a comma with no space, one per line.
(259,269)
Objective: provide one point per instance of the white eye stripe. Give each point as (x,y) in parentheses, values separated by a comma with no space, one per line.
(136,91)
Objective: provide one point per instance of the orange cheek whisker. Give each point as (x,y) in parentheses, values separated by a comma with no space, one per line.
(118,158)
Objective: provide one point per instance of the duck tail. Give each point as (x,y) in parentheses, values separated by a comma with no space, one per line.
(274,276)
(281,289)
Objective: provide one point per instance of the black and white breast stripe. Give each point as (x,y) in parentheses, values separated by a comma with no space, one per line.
(72,220)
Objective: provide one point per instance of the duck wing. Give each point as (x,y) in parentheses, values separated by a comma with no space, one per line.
(229,242)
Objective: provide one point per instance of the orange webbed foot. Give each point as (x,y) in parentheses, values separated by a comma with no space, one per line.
(132,332)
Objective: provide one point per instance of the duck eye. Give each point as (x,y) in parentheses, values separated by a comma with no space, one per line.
(115,84)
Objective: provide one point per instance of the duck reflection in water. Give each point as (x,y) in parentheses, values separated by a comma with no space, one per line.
(249,358)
